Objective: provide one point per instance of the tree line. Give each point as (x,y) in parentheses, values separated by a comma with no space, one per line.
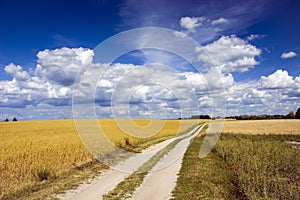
(290,115)
(197,117)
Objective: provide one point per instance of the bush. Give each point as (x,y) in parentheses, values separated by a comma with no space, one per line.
(42,174)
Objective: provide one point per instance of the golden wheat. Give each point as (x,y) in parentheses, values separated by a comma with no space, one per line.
(262,127)
(32,151)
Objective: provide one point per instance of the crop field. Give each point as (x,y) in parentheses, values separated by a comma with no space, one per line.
(252,160)
(256,127)
(33,152)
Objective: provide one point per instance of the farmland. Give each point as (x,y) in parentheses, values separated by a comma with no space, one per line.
(251,160)
(33,152)
(255,127)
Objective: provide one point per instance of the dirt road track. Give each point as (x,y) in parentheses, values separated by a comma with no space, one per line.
(158,183)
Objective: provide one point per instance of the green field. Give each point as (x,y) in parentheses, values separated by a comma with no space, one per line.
(242,167)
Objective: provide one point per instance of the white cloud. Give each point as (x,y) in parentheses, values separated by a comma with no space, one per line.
(218,80)
(277,93)
(287,55)
(17,72)
(277,80)
(254,37)
(180,34)
(230,52)
(61,65)
(50,82)
(150,90)
(191,23)
(219,21)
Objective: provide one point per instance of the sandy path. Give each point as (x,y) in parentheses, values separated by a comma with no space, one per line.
(112,177)
(160,182)
(98,186)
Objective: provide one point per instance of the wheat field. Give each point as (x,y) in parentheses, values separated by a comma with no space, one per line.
(255,127)
(30,150)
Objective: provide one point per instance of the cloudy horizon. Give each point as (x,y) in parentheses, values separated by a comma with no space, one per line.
(245,57)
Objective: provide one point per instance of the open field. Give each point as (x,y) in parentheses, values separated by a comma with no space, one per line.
(285,126)
(249,164)
(34,152)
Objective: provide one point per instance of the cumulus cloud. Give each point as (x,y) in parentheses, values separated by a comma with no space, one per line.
(146,90)
(191,23)
(17,72)
(287,55)
(278,80)
(231,53)
(62,65)
(157,86)
(219,21)
(251,98)
(49,83)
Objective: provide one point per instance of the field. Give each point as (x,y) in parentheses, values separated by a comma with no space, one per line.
(262,127)
(246,163)
(34,152)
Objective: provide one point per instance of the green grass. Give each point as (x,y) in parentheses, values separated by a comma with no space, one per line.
(205,178)
(265,166)
(241,167)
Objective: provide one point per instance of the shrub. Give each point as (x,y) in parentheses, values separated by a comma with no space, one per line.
(42,174)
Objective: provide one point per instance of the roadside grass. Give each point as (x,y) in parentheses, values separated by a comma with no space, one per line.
(206,178)
(265,165)
(126,188)
(242,167)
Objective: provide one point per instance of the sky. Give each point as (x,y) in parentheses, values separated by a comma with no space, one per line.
(246,60)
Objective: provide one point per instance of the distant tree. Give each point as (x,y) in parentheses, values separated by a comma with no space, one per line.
(14,119)
(200,117)
(6,120)
(290,115)
(297,115)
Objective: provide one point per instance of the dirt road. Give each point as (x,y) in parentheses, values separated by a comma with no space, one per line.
(158,183)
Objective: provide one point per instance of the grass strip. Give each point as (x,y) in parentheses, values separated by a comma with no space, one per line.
(126,188)
(206,178)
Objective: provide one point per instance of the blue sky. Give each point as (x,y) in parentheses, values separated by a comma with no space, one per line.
(252,47)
